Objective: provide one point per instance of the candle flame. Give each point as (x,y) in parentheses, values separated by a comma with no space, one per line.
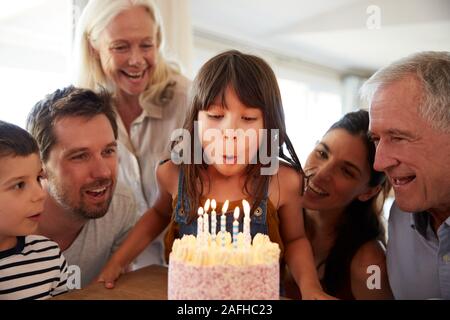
(200,211)
(225,206)
(236,213)
(213,204)
(206,206)
(246,207)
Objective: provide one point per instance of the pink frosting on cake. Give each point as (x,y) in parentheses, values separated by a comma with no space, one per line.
(223,282)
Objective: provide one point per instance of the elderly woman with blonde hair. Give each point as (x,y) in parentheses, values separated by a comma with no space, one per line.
(119,47)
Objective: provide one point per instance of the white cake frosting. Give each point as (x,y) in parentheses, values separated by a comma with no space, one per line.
(203,268)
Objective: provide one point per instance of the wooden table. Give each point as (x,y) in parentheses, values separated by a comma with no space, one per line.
(149,283)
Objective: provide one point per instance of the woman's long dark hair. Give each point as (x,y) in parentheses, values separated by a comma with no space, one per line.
(360,222)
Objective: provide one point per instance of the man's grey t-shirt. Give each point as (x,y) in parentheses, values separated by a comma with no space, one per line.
(99,238)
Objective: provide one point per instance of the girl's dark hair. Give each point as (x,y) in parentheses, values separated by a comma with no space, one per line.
(15,141)
(361,220)
(255,85)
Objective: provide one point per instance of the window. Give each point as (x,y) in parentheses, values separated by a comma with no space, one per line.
(35,44)
(308,114)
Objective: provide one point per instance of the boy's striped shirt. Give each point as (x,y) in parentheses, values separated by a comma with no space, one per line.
(34,269)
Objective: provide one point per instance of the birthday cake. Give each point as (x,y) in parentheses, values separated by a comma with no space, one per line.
(222,267)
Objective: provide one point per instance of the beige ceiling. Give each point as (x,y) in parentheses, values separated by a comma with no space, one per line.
(333,33)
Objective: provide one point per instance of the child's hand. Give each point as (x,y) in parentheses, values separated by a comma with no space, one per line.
(110,273)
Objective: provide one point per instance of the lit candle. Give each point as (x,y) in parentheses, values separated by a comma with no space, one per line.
(199,222)
(206,217)
(235,226)
(213,219)
(206,206)
(246,229)
(223,222)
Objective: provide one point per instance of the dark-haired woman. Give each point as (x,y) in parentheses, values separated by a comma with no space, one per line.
(343,201)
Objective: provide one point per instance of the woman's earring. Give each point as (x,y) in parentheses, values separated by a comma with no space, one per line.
(305,183)
(308,175)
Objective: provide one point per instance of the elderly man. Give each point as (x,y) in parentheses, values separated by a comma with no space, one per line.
(85,213)
(410,125)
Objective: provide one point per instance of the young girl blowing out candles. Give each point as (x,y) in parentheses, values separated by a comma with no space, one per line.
(236,119)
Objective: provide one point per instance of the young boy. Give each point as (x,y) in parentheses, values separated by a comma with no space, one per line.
(31,267)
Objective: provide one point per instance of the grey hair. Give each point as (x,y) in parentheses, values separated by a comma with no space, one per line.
(432,69)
